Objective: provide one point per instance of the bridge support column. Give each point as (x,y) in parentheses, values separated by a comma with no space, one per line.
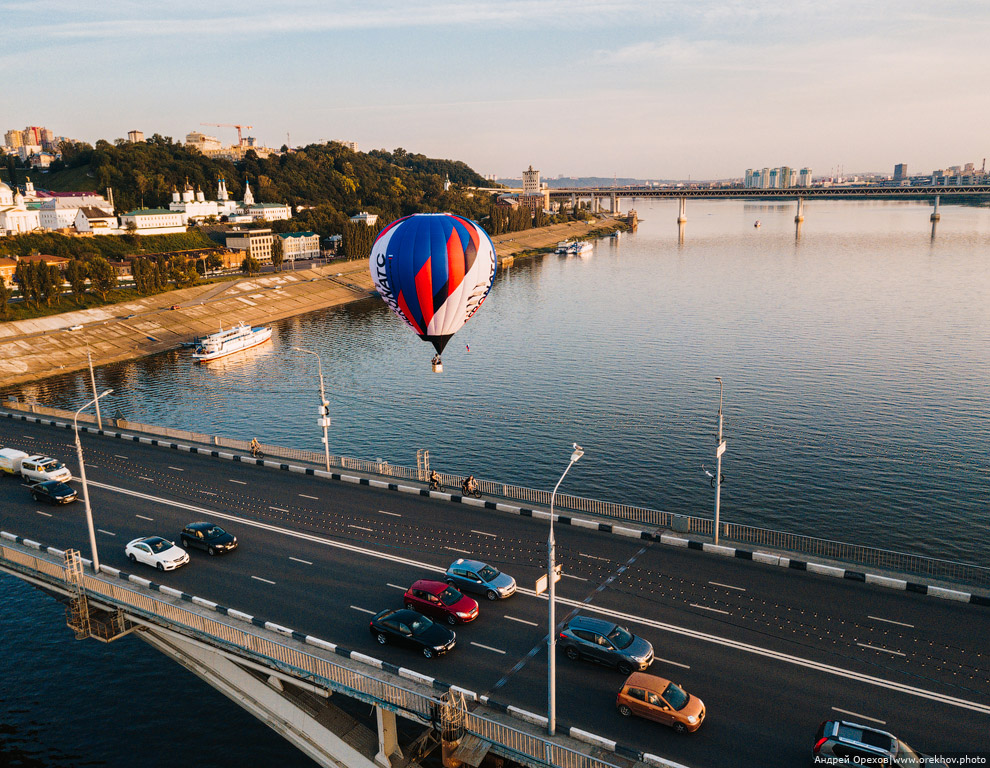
(935,216)
(388,738)
(799,217)
(682,211)
(615,204)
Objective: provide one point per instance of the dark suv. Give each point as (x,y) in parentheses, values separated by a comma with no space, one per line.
(606,643)
(839,742)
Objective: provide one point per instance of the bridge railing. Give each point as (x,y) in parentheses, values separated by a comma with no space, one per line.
(904,562)
(305,665)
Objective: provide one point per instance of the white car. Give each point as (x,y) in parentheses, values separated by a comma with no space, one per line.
(42,468)
(158,552)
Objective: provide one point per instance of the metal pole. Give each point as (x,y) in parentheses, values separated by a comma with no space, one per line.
(324,403)
(82,478)
(552,619)
(718,458)
(92,378)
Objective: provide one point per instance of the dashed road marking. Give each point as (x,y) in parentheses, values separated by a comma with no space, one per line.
(298,560)
(878,648)
(314,498)
(361,528)
(571,576)
(484,533)
(208,493)
(46,514)
(177,469)
(522,621)
(393,514)
(239,482)
(455,549)
(891,621)
(258,578)
(142,477)
(149,519)
(706,608)
(108,533)
(856,714)
(363,610)
(396,586)
(29,437)
(673,663)
(593,557)
(118,456)
(278,509)
(727,586)
(488,648)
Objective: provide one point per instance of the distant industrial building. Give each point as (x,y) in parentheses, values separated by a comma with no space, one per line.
(900,172)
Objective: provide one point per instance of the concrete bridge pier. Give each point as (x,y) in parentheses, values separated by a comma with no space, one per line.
(614,202)
(799,217)
(682,211)
(935,216)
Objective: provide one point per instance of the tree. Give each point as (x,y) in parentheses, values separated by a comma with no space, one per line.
(27,278)
(250,266)
(278,253)
(102,277)
(214,262)
(76,273)
(183,272)
(4,300)
(53,281)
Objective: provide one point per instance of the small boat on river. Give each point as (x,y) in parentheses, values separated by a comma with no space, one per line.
(235,339)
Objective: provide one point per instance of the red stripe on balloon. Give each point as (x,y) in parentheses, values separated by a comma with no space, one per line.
(424,291)
(407,314)
(455,262)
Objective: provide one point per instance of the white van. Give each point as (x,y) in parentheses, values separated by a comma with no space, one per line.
(10,460)
(41,468)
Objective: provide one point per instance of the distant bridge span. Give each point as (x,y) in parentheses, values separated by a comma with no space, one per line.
(974,192)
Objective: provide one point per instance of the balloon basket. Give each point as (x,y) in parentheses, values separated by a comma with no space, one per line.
(437,367)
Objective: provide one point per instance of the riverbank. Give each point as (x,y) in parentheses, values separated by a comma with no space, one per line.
(35,349)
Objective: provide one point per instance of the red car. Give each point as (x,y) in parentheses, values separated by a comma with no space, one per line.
(441,601)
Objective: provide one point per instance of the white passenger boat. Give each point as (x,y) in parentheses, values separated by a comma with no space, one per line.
(224,343)
(564,246)
(581,247)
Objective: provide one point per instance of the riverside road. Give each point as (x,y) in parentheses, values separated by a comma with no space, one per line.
(772,652)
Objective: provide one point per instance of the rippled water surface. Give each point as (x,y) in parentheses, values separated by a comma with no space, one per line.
(855,359)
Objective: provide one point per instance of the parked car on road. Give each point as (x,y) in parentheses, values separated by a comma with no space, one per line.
(405,627)
(441,601)
(157,552)
(660,700)
(207,536)
(53,492)
(41,468)
(844,743)
(605,642)
(480,578)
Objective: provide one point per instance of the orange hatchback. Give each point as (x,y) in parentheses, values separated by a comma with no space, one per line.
(656,698)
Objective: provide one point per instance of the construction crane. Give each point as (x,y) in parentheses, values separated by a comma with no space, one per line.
(240,141)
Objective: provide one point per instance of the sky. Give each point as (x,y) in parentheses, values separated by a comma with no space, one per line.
(646,89)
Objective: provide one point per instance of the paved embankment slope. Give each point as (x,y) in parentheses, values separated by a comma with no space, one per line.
(34,349)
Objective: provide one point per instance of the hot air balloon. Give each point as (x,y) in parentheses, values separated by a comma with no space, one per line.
(434,270)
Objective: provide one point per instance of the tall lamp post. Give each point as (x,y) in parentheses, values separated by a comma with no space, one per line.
(718,457)
(82,478)
(551,587)
(324,403)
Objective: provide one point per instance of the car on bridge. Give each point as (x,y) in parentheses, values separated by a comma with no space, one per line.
(41,468)
(480,578)
(441,601)
(157,552)
(840,742)
(605,642)
(207,536)
(54,492)
(409,628)
(658,699)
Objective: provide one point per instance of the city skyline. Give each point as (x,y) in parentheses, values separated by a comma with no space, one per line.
(614,87)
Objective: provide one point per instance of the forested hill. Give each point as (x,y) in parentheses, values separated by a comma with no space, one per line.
(338,180)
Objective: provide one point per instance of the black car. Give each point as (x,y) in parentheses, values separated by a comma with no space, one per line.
(405,627)
(54,492)
(208,536)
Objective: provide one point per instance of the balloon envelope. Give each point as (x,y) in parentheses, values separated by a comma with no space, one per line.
(434,270)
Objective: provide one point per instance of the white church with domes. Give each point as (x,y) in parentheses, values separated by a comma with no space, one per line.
(194,206)
(15,217)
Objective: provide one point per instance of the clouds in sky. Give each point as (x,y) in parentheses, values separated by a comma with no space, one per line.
(643,88)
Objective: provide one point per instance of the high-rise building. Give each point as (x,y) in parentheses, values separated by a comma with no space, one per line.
(900,172)
(804,178)
(13,139)
(785,177)
(531,182)
(135,136)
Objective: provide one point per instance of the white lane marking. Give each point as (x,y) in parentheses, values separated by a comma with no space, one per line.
(593,557)
(306,562)
(483,533)
(149,519)
(177,469)
(619,616)
(706,608)
(108,533)
(856,714)
(208,493)
(488,647)
(118,456)
(674,663)
(28,437)
(364,610)
(46,514)
(455,549)
(142,477)
(258,578)
(361,528)
(395,586)
(891,621)
(239,482)
(522,621)
(92,466)
(314,498)
(878,648)
(727,586)
(571,576)
(279,509)
(393,514)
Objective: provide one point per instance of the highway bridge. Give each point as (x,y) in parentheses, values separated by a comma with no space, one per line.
(771,651)
(978,192)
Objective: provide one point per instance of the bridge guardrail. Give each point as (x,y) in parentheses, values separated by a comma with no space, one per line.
(904,562)
(309,666)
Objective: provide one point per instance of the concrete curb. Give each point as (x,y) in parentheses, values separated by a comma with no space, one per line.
(668,539)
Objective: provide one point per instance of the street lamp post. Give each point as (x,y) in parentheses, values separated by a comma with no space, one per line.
(551,587)
(324,403)
(82,478)
(718,457)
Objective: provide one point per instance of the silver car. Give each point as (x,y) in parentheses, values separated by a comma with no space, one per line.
(605,642)
(481,578)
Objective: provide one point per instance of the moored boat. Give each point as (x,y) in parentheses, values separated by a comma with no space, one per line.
(224,343)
